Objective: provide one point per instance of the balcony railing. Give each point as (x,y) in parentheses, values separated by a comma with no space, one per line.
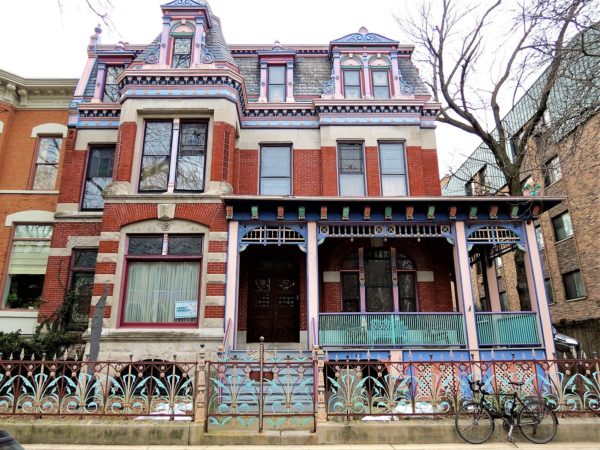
(508,329)
(391,330)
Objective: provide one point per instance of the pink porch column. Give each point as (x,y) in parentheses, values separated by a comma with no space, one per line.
(231,290)
(312,284)
(537,291)
(463,284)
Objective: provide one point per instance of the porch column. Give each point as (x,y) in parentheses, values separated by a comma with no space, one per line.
(537,291)
(491,279)
(312,284)
(231,289)
(463,284)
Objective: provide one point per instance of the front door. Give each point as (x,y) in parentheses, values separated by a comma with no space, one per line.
(273,307)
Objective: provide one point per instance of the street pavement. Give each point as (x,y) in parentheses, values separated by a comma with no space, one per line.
(495,446)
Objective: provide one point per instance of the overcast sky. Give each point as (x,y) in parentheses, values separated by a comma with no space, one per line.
(36,40)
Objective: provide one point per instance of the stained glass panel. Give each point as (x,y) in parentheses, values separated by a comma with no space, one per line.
(185,245)
(145,245)
(85,259)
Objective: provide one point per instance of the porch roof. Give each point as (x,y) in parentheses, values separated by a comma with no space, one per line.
(360,209)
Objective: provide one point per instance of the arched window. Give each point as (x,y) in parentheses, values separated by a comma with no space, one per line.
(351,68)
(378,280)
(181,47)
(380,77)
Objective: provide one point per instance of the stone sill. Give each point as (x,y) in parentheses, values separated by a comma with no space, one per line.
(160,335)
(578,299)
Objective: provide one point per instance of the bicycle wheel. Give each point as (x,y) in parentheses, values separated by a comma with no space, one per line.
(473,423)
(538,422)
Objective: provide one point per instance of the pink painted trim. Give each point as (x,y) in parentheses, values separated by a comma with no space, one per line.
(164,41)
(100,79)
(395,76)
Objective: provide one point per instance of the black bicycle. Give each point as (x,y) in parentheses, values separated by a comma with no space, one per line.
(474,421)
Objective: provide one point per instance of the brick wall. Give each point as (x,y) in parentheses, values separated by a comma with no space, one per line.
(307,172)
(124,152)
(74,171)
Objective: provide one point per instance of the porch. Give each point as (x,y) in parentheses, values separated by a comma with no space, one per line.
(380,274)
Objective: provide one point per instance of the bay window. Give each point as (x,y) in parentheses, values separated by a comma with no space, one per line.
(351,169)
(275,170)
(46,165)
(163,280)
(27,266)
(393,169)
(168,167)
(99,175)
(111,87)
(378,280)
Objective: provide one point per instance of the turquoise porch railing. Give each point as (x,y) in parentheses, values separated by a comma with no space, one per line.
(508,329)
(391,329)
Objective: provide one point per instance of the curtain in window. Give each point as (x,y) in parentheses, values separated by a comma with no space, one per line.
(153,289)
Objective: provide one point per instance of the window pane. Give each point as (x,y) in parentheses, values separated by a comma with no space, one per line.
(350,158)
(155,160)
(111,88)
(404,263)
(33,231)
(381,92)
(276,74)
(552,172)
(80,298)
(391,157)
(191,157)
(85,259)
(406,292)
(549,292)
(350,292)
(45,177)
(380,78)
(504,301)
(275,162)
(351,78)
(48,150)
(563,227)
(352,185)
(181,53)
(145,245)
(185,245)
(100,171)
(539,237)
(156,289)
(378,281)
(275,186)
(277,93)
(573,285)
(24,291)
(394,185)
(352,92)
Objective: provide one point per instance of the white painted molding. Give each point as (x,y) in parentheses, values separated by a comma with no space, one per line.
(1,127)
(49,128)
(331,277)
(32,216)
(425,276)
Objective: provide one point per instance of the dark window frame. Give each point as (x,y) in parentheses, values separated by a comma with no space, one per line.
(73,271)
(579,295)
(163,257)
(554,222)
(93,148)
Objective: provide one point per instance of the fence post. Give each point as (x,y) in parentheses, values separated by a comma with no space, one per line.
(320,366)
(200,412)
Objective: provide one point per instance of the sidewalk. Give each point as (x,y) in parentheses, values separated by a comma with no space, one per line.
(520,445)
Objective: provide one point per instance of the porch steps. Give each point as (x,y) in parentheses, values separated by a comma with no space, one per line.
(288,381)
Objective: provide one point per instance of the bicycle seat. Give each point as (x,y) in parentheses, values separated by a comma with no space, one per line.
(516,383)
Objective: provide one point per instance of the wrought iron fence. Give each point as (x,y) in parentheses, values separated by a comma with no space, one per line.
(105,388)
(355,389)
(261,388)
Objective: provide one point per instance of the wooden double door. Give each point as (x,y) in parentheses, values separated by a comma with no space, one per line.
(274,299)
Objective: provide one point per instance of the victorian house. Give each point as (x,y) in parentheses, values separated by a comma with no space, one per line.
(226,194)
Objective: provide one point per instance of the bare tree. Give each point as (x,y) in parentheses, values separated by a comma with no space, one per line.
(480,57)
(102,9)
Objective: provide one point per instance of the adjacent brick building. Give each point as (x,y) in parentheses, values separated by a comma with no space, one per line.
(33,126)
(223,194)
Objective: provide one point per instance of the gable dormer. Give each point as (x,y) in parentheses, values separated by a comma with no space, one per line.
(365,66)
(183,38)
(276,74)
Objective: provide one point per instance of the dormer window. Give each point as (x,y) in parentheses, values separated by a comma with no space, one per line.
(352,84)
(380,77)
(181,55)
(277,83)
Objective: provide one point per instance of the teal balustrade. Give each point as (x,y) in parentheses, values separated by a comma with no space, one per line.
(508,329)
(391,330)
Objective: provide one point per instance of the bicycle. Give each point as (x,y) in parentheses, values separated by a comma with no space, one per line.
(474,421)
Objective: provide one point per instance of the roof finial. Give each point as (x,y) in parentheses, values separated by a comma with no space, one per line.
(98,29)
(277,46)
(363,30)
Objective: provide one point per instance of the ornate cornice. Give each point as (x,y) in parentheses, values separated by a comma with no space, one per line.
(36,93)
